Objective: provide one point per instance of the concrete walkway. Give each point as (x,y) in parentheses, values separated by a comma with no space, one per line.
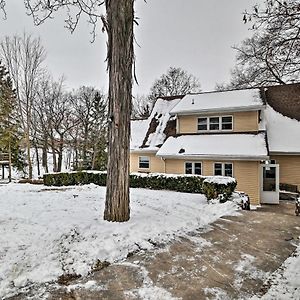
(231,260)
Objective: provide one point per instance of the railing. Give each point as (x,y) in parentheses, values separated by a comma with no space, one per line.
(4,157)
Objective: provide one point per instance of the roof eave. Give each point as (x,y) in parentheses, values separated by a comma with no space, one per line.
(214,157)
(218,110)
(143,150)
(284,153)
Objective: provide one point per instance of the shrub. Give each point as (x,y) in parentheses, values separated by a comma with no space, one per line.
(219,187)
(212,186)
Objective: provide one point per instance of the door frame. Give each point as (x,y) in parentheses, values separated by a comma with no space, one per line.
(269,197)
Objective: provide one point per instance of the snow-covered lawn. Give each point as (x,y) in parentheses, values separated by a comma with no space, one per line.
(46,232)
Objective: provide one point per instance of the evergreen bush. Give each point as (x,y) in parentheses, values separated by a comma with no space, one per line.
(219,187)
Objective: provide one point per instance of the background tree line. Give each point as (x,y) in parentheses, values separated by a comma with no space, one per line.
(54,125)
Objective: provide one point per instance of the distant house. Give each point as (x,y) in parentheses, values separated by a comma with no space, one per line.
(4,162)
(251,134)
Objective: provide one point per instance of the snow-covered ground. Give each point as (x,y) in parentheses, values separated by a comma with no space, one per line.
(46,232)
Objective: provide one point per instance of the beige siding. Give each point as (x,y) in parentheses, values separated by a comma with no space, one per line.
(247,174)
(175,166)
(156,164)
(187,124)
(245,121)
(289,168)
(242,121)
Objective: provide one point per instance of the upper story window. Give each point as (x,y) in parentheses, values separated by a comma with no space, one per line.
(218,123)
(193,168)
(144,162)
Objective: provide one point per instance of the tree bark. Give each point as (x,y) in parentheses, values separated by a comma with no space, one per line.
(37,158)
(28,153)
(45,155)
(120,16)
(60,153)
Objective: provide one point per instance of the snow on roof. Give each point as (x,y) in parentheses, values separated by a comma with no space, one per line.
(234,146)
(139,129)
(149,135)
(237,100)
(283,132)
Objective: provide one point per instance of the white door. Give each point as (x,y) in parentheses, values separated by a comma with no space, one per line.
(269,184)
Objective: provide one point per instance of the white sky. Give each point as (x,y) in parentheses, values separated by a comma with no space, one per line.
(195,35)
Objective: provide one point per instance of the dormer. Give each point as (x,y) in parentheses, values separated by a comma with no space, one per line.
(213,112)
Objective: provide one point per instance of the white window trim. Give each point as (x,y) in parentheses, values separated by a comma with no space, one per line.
(148,157)
(220,123)
(223,167)
(193,167)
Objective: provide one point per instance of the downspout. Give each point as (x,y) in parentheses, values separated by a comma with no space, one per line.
(164,160)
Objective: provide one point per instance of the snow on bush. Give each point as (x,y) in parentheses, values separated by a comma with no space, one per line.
(46,232)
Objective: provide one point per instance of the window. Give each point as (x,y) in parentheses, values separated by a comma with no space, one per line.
(202,124)
(223,169)
(144,162)
(227,123)
(228,170)
(218,169)
(193,168)
(215,123)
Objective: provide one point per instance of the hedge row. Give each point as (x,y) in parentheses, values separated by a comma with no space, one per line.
(210,186)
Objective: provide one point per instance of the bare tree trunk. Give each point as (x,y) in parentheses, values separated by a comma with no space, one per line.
(53,156)
(9,159)
(37,158)
(45,156)
(120,15)
(28,154)
(60,153)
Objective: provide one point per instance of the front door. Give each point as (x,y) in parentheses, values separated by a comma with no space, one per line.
(269,184)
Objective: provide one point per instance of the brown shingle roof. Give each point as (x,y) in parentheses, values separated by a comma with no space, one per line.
(285,99)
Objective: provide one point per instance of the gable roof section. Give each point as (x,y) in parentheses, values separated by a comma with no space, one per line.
(283,132)
(219,146)
(235,100)
(150,134)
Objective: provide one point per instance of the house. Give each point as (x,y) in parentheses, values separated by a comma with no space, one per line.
(251,134)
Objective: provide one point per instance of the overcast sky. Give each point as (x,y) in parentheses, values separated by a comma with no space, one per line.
(195,35)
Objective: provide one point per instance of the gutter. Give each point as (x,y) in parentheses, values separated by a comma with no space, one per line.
(143,150)
(218,110)
(214,157)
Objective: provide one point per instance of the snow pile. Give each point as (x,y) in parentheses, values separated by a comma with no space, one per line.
(219,145)
(238,100)
(46,232)
(283,132)
(139,129)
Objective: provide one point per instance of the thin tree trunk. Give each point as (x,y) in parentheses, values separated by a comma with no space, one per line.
(53,156)
(27,139)
(37,159)
(9,158)
(120,15)
(45,156)
(60,153)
